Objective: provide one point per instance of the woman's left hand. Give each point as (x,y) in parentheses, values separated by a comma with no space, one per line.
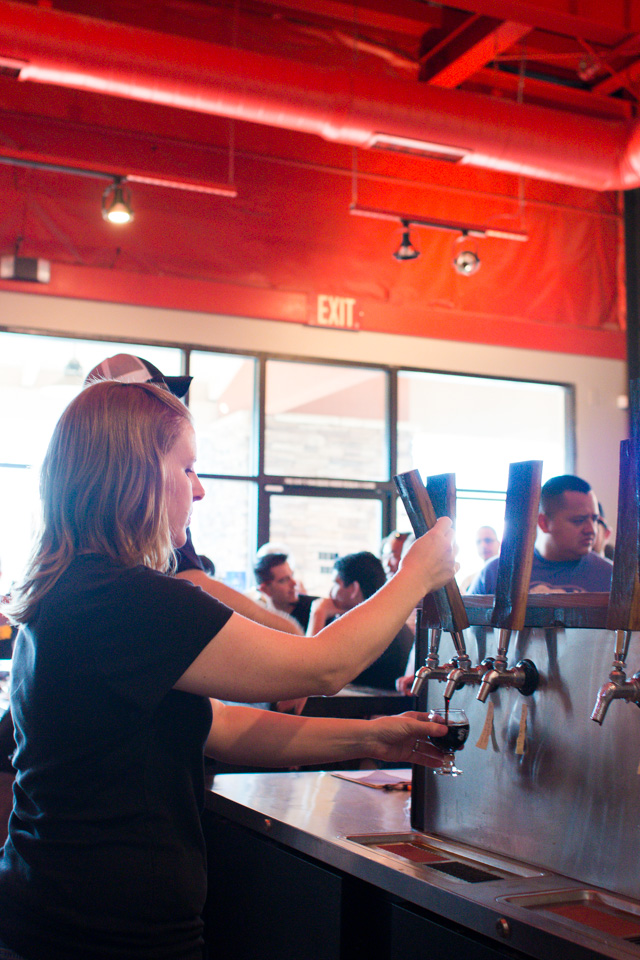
(404,739)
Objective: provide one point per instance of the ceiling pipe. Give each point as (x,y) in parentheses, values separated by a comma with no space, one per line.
(82,53)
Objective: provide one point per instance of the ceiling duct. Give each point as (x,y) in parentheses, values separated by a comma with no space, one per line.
(49,46)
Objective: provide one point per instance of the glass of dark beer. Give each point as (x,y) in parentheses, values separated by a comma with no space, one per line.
(454,739)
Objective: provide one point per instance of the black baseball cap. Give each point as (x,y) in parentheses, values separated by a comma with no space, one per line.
(130,369)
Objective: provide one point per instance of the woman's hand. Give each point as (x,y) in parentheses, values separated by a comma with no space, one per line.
(404,739)
(432,557)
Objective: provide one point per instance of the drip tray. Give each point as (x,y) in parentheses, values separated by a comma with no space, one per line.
(456,861)
(603,912)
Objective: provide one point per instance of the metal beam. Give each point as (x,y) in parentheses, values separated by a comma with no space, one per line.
(474,49)
(401,16)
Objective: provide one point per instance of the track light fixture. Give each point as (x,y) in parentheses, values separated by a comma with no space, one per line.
(406,250)
(116,202)
(466,261)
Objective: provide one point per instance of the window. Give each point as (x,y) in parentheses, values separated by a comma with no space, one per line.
(221,399)
(475,427)
(39,376)
(222,524)
(318,529)
(325,421)
(318,476)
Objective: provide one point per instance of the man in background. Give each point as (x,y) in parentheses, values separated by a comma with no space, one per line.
(488,547)
(564,560)
(391,551)
(277,583)
(601,545)
(356,577)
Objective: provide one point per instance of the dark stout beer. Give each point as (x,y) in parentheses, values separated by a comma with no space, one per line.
(454,738)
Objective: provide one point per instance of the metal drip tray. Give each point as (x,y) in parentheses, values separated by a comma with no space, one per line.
(603,912)
(457,861)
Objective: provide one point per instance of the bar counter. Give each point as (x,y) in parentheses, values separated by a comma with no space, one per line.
(295,886)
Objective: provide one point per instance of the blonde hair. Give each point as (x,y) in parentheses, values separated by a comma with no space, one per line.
(102,485)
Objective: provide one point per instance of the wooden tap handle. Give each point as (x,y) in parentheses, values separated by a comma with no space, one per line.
(624,600)
(441,490)
(422,515)
(516,552)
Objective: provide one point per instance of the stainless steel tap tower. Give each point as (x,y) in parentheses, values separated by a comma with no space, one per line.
(541,782)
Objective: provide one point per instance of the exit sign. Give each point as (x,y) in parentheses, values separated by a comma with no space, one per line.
(339,313)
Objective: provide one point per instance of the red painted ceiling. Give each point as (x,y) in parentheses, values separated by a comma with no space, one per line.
(283,101)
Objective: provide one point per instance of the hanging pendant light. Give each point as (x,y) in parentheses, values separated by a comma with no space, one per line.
(406,250)
(116,203)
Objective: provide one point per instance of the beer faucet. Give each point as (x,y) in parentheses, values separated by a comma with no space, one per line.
(432,669)
(457,672)
(514,576)
(464,673)
(617,687)
(423,506)
(623,612)
(524,676)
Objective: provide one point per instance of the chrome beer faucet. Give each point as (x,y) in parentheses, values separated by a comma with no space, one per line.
(524,676)
(514,575)
(432,669)
(623,611)
(457,672)
(617,687)
(463,673)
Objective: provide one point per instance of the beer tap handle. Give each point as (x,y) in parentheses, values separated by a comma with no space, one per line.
(516,552)
(422,515)
(514,576)
(423,506)
(623,612)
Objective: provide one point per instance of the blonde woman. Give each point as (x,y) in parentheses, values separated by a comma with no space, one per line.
(114,667)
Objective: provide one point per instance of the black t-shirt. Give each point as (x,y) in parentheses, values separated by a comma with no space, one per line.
(187,557)
(383,672)
(105,856)
(302,609)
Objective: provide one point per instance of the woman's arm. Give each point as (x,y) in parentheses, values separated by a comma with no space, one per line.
(245,736)
(243,605)
(250,663)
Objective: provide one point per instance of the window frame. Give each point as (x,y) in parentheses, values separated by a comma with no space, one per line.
(382,490)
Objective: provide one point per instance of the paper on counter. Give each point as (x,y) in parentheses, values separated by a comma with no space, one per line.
(379,779)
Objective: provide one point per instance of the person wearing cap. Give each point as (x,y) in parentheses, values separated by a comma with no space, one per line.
(119,670)
(131,369)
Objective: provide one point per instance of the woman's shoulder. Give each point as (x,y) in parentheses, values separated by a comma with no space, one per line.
(91,577)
